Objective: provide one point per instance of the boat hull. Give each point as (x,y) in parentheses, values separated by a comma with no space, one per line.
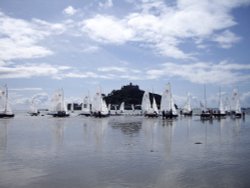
(100,115)
(188,113)
(169,115)
(205,116)
(60,114)
(151,115)
(7,115)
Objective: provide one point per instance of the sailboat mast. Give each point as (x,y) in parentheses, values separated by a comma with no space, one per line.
(205,97)
(62,100)
(6,98)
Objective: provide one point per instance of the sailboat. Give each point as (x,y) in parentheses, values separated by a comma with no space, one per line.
(33,109)
(168,108)
(221,112)
(187,110)
(148,110)
(122,108)
(236,109)
(5,110)
(86,107)
(205,114)
(99,106)
(227,106)
(58,108)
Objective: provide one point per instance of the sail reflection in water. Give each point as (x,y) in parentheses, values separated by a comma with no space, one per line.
(124,151)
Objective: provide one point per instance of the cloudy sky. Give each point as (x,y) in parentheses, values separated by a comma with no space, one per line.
(80,45)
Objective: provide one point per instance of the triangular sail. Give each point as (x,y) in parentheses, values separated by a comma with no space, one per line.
(33,108)
(99,104)
(187,107)
(4,103)
(155,108)
(221,105)
(146,105)
(86,105)
(166,104)
(57,101)
(236,102)
(122,107)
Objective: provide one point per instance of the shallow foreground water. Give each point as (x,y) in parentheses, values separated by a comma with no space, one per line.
(119,152)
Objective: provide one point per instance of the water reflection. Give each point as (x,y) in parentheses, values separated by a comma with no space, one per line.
(128,126)
(58,133)
(158,135)
(3,134)
(124,152)
(94,131)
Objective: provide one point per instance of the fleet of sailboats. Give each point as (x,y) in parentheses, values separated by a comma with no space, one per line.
(97,107)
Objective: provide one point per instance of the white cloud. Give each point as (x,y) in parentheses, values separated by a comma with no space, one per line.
(31,70)
(164,28)
(221,73)
(112,69)
(70,11)
(106,4)
(85,74)
(90,49)
(226,39)
(26,89)
(20,39)
(107,29)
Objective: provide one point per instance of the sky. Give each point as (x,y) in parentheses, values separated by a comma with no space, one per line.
(82,45)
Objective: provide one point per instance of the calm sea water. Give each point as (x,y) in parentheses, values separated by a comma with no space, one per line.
(119,152)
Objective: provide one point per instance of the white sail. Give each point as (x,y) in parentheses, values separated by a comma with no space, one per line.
(133,107)
(236,102)
(86,105)
(227,105)
(104,108)
(221,105)
(96,102)
(57,101)
(122,107)
(33,108)
(99,105)
(154,106)
(166,103)
(187,107)
(146,105)
(173,107)
(4,103)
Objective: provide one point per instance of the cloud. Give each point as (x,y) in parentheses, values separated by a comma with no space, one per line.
(245,98)
(106,4)
(226,39)
(26,89)
(31,70)
(165,27)
(107,29)
(90,49)
(70,11)
(201,73)
(20,39)
(112,69)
